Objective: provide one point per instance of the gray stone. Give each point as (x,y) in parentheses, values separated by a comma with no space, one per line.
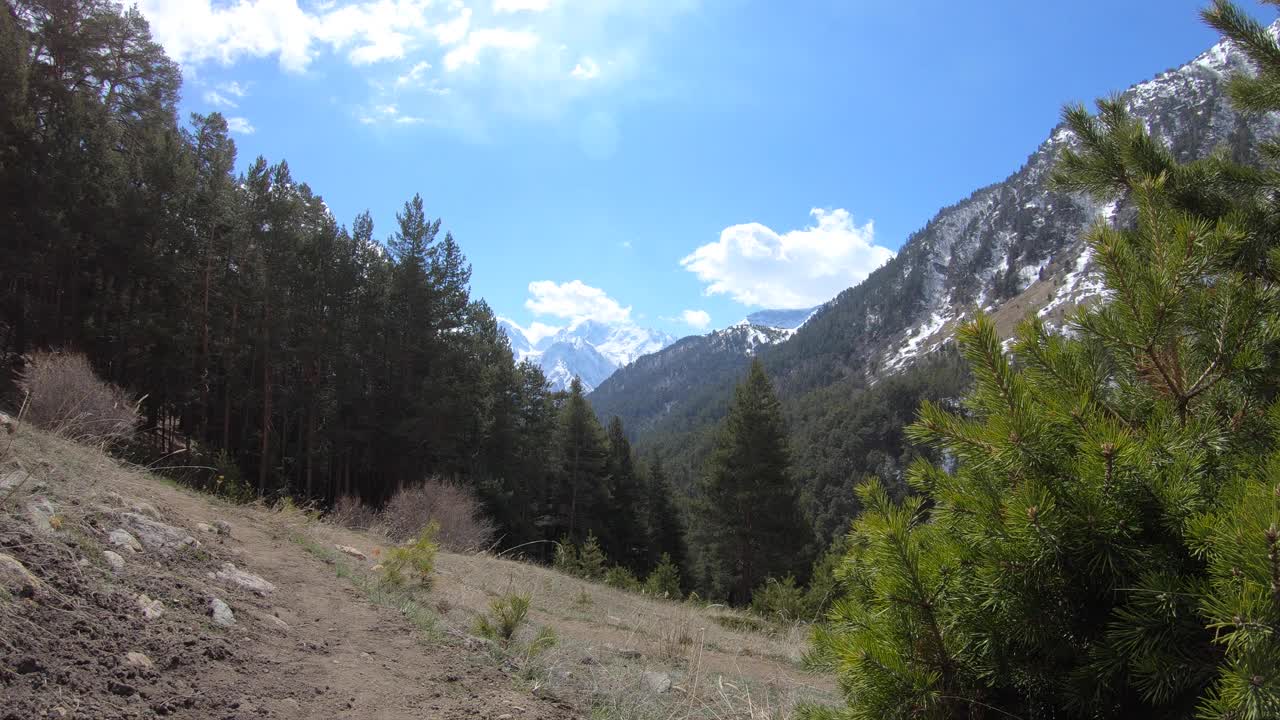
(205,528)
(157,536)
(124,539)
(138,660)
(42,514)
(234,576)
(657,682)
(17,579)
(273,622)
(221,612)
(143,507)
(151,609)
(113,559)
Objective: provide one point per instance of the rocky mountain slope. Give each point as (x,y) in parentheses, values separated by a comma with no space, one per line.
(1011,248)
(656,385)
(586,349)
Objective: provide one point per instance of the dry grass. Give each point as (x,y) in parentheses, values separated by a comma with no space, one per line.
(351,513)
(723,663)
(67,398)
(716,671)
(463,525)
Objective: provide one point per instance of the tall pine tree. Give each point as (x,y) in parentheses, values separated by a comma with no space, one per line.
(750,526)
(664,522)
(582,499)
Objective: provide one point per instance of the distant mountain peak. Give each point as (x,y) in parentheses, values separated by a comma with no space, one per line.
(587,349)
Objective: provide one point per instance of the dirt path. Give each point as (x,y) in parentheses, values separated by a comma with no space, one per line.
(344,656)
(314,647)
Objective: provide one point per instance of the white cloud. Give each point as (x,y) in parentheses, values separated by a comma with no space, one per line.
(510,6)
(800,268)
(233,88)
(240,125)
(586,69)
(389,113)
(696,319)
(217,99)
(194,31)
(523,59)
(477,41)
(575,300)
(536,330)
(415,75)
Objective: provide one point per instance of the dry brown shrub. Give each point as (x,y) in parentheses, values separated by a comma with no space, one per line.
(351,513)
(463,525)
(66,397)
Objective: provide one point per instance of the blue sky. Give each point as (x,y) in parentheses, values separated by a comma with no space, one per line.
(672,163)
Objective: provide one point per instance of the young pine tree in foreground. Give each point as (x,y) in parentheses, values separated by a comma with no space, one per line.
(1107,544)
(750,523)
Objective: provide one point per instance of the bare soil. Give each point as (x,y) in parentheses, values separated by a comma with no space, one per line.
(315,647)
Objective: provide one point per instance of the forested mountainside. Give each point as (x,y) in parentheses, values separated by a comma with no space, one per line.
(1010,248)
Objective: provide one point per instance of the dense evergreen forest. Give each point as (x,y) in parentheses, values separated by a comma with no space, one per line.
(272,346)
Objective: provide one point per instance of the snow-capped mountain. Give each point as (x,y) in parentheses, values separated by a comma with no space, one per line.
(586,349)
(1011,248)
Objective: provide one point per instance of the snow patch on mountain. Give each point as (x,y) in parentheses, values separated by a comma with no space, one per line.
(587,349)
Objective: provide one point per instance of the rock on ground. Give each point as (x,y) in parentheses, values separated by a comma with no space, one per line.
(42,514)
(113,559)
(273,622)
(16,578)
(221,612)
(124,539)
(232,575)
(657,682)
(155,535)
(151,609)
(145,508)
(138,660)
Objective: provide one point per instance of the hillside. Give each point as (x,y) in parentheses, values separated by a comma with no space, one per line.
(91,628)
(1011,248)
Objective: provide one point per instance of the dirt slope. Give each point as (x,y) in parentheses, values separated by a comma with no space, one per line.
(66,631)
(81,638)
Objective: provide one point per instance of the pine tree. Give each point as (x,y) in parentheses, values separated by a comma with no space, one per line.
(624,535)
(750,526)
(1106,545)
(583,498)
(664,522)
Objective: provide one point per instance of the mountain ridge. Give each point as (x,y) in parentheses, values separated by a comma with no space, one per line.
(1009,248)
(587,349)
